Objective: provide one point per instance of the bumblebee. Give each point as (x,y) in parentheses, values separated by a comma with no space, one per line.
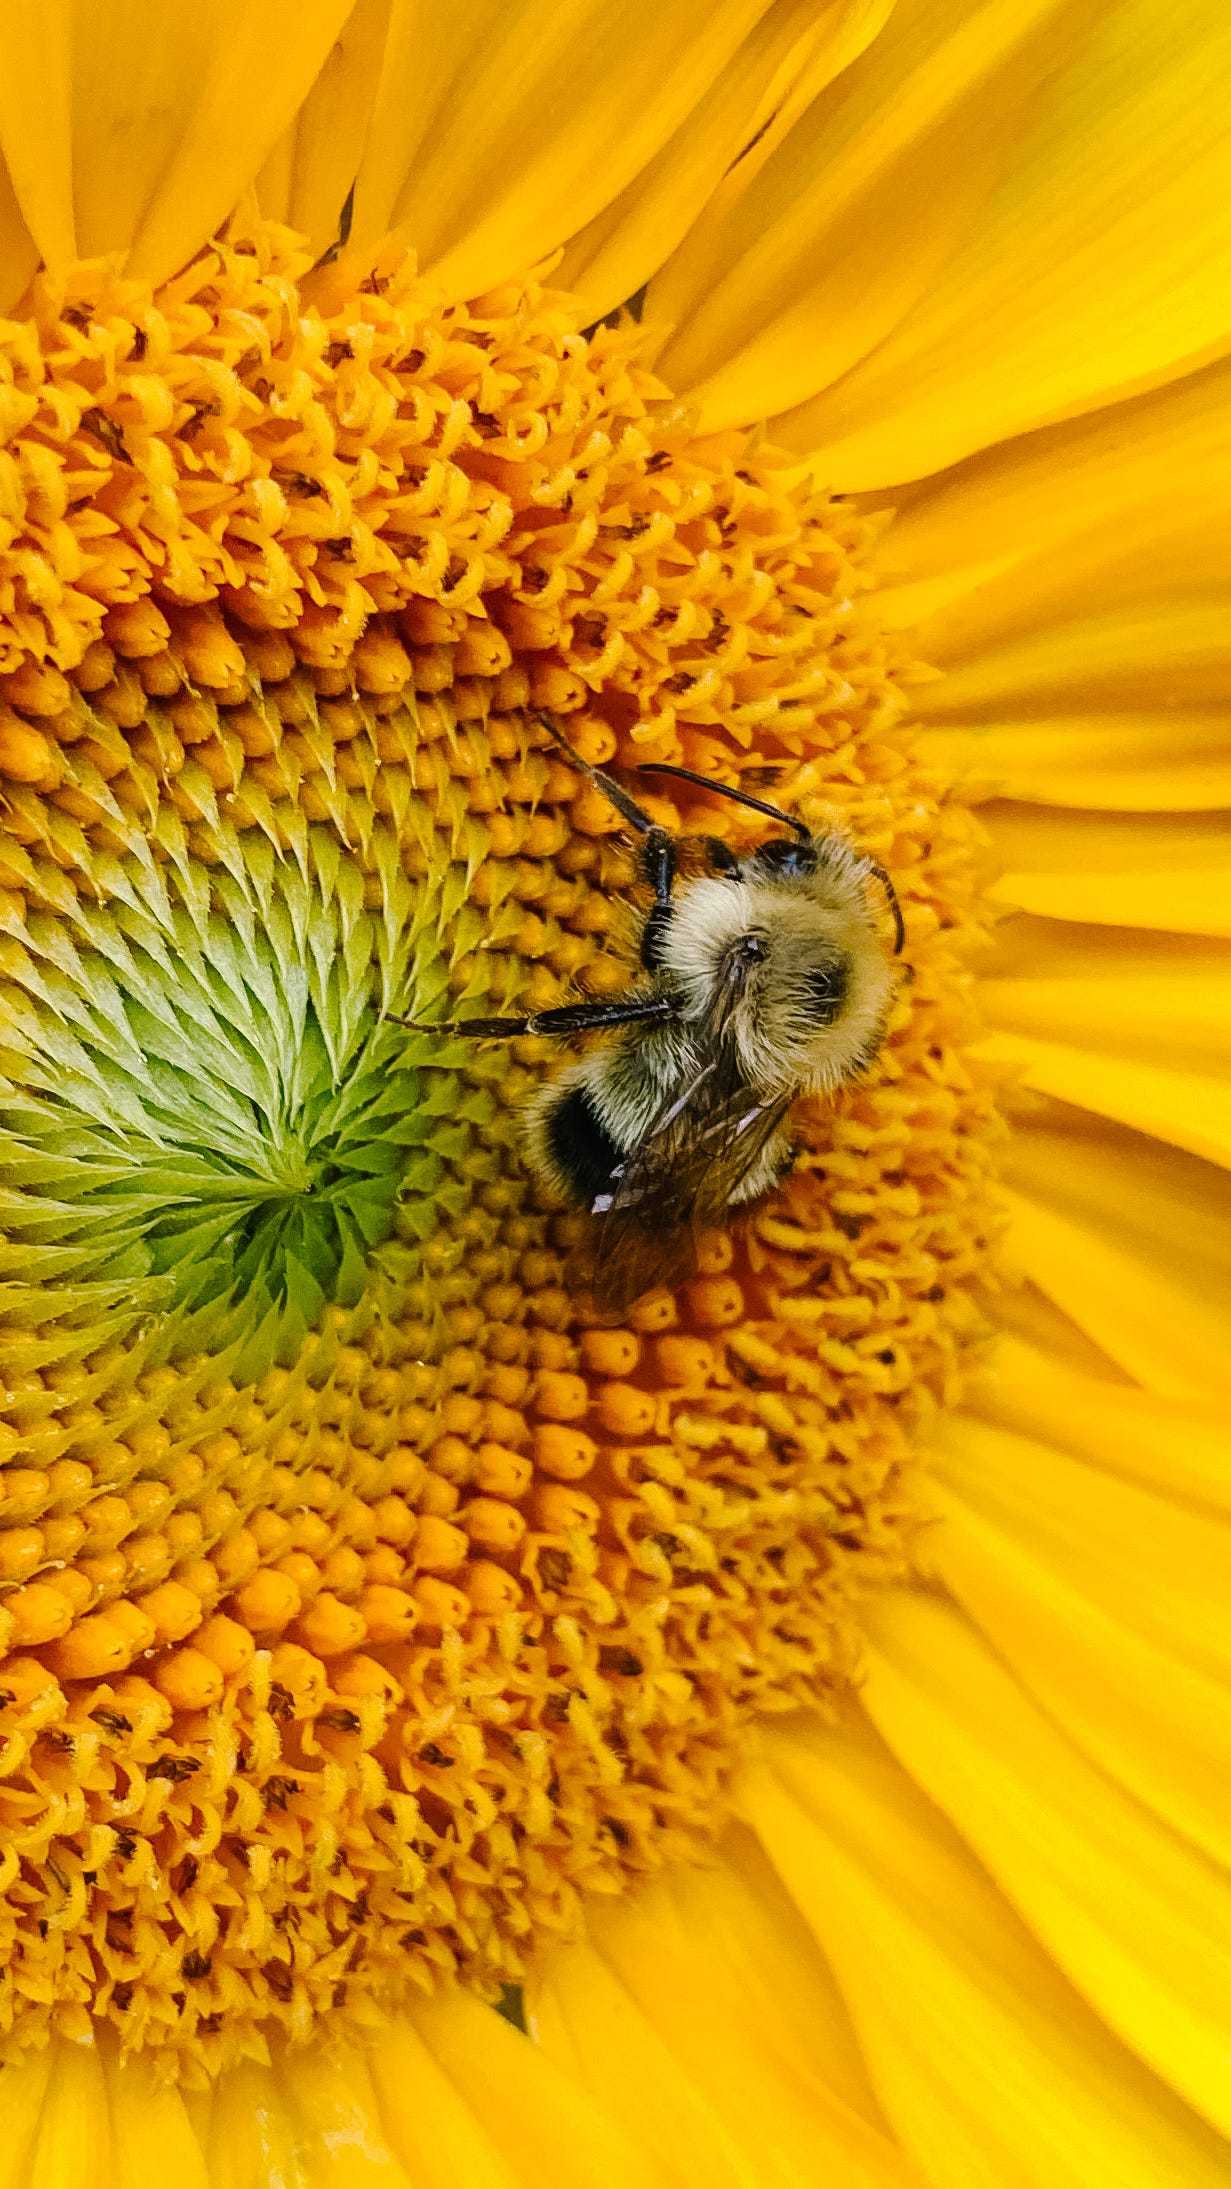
(760,978)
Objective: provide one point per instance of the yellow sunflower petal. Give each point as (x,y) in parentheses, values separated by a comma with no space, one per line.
(998,218)
(73,2141)
(334,2111)
(1163,999)
(25,2084)
(1071,509)
(995,2074)
(540,2120)
(586,2016)
(306,179)
(781,67)
(1152,652)
(152,2137)
(1183,1449)
(1130,1239)
(137,129)
(1137,1919)
(1116,762)
(250,2140)
(747,2044)
(1159,1568)
(505,130)
(1101,1633)
(1118,870)
(1133,1027)
(18,250)
(1185,1108)
(428,2122)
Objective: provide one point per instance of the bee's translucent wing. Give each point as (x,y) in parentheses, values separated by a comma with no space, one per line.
(708,1134)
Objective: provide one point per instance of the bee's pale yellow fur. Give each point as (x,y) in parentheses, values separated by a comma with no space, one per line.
(804,921)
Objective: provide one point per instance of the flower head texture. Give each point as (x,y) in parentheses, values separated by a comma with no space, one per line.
(778,1733)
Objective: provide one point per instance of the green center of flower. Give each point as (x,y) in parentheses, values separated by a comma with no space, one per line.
(219,1124)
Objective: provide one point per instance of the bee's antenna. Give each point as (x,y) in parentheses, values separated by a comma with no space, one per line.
(899,925)
(724,790)
(626,807)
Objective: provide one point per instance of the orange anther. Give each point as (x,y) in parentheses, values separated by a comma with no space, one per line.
(101,1645)
(716,1302)
(269,1602)
(189,1679)
(26,756)
(559,1397)
(566,1453)
(624,1410)
(439,1497)
(438,1545)
(684,1361)
(610,1352)
(303,1571)
(385,1567)
(393,1519)
(493,1524)
(343,1571)
(174,1609)
(439,1604)
(388,1613)
(559,1507)
(237,1558)
(491,1590)
(502,1473)
(39,1613)
(329,1626)
(229,1645)
(21,1552)
(301,1676)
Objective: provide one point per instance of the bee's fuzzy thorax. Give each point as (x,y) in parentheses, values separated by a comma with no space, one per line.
(809,926)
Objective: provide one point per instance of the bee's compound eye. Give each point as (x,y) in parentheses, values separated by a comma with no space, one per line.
(825,991)
(785,856)
(721,858)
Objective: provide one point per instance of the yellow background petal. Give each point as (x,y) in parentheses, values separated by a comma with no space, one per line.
(1098,1631)
(1137,1919)
(994,2072)
(999,217)
(794,51)
(1115,762)
(1130,1238)
(539,2119)
(136,129)
(1183,1449)
(499,131)
(25,2083)
(308,175)
(725,2000)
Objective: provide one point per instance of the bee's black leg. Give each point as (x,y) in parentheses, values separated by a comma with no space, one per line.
(657,857)
(658,867)
(567,1018)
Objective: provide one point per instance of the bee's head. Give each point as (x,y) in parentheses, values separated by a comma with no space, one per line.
(785,959)
(782,858)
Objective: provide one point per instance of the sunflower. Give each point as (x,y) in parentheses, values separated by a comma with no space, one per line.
(447,1739)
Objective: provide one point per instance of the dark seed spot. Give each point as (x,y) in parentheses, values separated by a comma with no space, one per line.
(112,1721)
(175,1768)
